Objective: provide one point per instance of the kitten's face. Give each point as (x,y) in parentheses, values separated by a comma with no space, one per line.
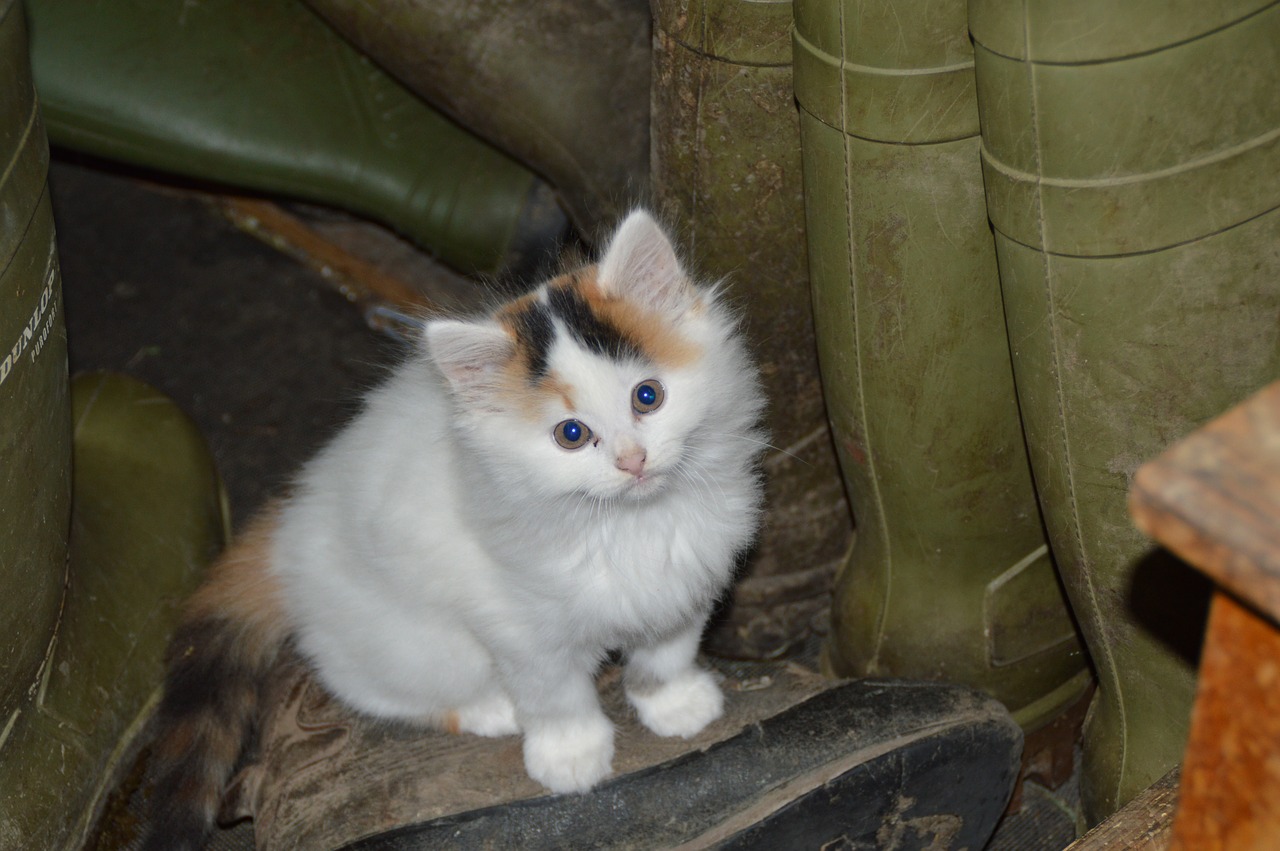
(597,397)
(610,428)
(603,383)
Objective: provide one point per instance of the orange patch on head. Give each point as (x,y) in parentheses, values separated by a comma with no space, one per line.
(649,331)
(553,385)
(515,390)
(525,321)
(508,315)
(530,398)
(574,304)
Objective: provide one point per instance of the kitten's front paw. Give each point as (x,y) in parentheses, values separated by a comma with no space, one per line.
(571,756)
(679,707)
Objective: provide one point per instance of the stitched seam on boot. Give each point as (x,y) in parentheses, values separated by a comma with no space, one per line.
(1046,261)
(877,496)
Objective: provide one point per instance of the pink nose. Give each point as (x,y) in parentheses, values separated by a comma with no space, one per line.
(632,462)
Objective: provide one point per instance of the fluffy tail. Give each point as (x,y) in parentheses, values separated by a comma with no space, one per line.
(230,634)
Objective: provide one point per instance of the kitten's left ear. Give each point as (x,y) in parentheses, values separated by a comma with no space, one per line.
(641,263)
(470,354)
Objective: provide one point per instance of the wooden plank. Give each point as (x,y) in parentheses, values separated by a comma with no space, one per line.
(1144,824)
(1214,499)
(1231,772)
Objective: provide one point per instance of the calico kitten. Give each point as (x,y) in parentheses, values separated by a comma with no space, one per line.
(573,474)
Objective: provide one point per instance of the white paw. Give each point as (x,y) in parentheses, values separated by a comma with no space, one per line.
(493,717)
(680,707)
(571,756)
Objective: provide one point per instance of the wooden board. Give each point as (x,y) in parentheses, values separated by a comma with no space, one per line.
(1214,499)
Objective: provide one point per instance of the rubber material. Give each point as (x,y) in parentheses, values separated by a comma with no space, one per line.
(35,414)
(266,97)
(148,514)
(93,574)
(950,577)
(562,85)
(868,764)
(1133,178)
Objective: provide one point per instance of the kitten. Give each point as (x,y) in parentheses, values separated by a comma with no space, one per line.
(574,474)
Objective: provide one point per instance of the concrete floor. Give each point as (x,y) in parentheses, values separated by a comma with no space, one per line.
(262,353)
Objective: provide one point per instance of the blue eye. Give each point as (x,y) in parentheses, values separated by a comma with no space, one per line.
(571,434)
(647,396)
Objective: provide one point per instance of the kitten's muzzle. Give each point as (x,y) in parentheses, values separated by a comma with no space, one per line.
(631,462)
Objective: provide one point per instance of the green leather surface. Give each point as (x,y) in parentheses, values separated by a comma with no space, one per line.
(950,576)
(1136,199)
(265,96)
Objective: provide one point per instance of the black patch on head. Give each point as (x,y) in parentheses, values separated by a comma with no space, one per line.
(535,333)
(597,335)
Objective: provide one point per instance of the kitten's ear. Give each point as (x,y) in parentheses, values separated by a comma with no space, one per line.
(470,354)
(641,263)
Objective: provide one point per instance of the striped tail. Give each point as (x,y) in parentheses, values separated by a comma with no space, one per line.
(230,634)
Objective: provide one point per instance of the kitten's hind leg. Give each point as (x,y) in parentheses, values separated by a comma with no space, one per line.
(670,693)
(493,715)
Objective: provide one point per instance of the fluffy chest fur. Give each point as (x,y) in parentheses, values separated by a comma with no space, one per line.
(412,509)
(619,575)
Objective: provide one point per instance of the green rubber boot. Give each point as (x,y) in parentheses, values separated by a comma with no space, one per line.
(726,169)
(561,85)
(1132,164)
(35,418)
(950,577)
(92,575)
(265,96)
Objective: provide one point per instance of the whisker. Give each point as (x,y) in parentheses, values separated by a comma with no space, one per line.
(763,443)
(692,468)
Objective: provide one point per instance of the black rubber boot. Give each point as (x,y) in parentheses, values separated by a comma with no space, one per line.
(796,762)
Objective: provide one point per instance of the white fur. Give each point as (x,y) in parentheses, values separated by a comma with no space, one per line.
(444,554)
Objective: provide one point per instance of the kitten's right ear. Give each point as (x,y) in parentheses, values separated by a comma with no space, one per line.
(641,262)
(470,354)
